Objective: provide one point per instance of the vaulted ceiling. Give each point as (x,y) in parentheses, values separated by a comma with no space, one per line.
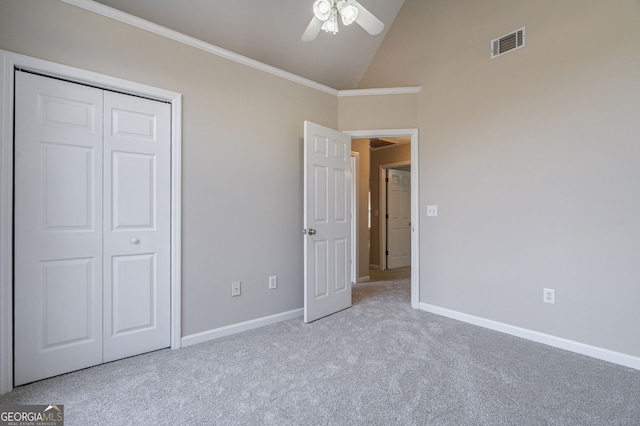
(269,31)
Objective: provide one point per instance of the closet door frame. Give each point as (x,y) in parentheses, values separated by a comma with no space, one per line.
(10,61)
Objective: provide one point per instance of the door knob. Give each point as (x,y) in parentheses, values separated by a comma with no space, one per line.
(135,240)
(312,231)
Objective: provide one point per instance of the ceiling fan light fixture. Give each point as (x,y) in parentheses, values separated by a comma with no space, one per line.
(331,24)
(322,9)
(348,11)
(325,17)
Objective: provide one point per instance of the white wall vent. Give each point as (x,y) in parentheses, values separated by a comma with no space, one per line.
(507,43)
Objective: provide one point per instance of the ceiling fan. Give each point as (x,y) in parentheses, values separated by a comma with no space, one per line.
(325,17)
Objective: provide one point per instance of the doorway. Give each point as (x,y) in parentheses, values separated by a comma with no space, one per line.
(412,134)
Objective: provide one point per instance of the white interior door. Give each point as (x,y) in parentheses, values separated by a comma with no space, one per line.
(137,142)
(327,221)
(92,231)
(399,221)
(58,228)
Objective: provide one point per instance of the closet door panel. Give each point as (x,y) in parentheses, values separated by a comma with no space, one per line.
(137,142)
(57,227)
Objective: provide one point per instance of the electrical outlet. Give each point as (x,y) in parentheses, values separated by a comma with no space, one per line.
(549,295)
(273,282)
(235,288)
(432,210)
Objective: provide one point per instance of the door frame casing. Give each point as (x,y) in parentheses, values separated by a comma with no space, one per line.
(9,61)
(355,229)
(383,206)
(415,199)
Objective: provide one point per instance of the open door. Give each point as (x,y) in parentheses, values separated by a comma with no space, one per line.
(327,221)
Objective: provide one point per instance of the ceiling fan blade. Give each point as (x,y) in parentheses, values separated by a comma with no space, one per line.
(312,30)
(368,21)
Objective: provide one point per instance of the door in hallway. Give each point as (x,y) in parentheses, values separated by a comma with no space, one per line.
(399,218)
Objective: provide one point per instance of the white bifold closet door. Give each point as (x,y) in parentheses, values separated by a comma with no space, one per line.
(91,226)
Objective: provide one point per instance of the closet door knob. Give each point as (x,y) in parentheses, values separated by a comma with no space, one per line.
(135,240)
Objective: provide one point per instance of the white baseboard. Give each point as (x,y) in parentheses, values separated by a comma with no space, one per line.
(372,266)
(364,279)
(205,336)
(547,339)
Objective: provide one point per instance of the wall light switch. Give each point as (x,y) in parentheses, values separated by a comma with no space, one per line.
(432,210)
(235,288)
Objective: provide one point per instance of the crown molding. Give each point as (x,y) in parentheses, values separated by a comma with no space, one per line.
(380,91)
(143,24)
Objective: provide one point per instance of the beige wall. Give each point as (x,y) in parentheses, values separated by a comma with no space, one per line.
(242,154)
(376,112)
(532,159)
(361,146)
(380,157)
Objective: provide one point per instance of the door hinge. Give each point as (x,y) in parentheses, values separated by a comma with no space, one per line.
(386,253)
(386,179)
(386,215)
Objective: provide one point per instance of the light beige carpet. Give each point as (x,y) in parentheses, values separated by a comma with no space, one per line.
(378,363)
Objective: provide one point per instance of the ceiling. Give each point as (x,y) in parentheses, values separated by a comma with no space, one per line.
(269,31)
